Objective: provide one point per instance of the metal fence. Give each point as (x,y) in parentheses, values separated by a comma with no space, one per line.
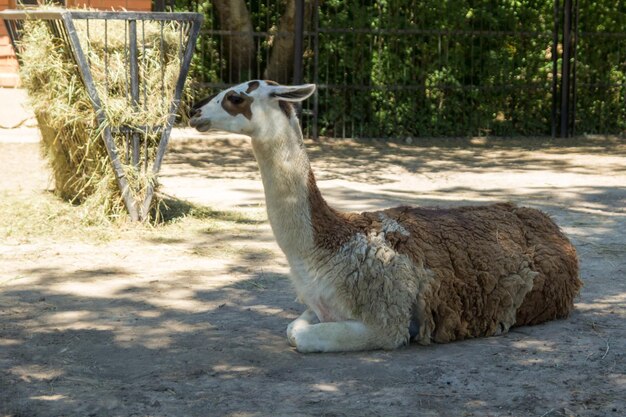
(549,68)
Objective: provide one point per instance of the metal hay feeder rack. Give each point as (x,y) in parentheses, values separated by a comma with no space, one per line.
(62,24)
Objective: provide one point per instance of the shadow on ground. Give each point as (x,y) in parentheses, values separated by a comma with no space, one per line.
(194,325)
(370,161)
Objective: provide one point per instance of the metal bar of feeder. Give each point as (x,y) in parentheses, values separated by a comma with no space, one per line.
(82,14)
(134,83)
(190,21)
(180,83)
(144,85)
(127,134)
(162,62)
(166,16)
(109,143)
(106,58)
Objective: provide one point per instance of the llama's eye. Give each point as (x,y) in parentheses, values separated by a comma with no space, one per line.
(235,99)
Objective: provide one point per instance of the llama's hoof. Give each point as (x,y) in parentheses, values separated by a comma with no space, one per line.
(290,336)
(291,331)
(300,323)
(298,339)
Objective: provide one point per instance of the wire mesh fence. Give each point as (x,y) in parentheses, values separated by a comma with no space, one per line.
(401,68)
(600,67)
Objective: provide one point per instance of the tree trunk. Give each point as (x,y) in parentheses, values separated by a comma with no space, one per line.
(239,49)
(280,65)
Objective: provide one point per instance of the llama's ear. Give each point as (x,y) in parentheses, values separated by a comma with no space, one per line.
(292,92)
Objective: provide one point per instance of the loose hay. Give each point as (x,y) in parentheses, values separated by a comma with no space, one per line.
(71,138)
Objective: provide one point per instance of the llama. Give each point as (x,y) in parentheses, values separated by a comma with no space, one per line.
(377,280)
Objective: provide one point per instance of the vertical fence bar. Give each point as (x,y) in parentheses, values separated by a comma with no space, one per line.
(144,84)
(88,42)
(298,42)
(565,68)
(12,31)
(106,57)
(574,47)
(316,34)
(159,6)
(162,62)
(134,82)
(555,64)
(127,140)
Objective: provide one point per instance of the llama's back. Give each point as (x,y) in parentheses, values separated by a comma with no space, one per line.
(495,266)
(554,257)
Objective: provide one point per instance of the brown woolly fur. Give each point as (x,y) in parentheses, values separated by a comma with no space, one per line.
(331,228)
(71,138)
(477,271)
(483,257)
(555,258)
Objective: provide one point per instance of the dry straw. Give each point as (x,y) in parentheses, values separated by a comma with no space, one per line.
(71,137)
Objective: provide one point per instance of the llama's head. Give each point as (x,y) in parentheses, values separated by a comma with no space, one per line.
(250,107)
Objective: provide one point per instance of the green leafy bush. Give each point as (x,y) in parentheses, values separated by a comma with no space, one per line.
(396,68)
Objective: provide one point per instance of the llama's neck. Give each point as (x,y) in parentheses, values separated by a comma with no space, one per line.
(289,185)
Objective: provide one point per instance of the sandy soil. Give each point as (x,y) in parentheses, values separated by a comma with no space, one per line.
(194,325)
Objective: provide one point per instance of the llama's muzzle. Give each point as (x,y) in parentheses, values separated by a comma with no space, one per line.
(200,124)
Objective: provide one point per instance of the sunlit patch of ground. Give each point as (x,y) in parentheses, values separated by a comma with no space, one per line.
(188,317)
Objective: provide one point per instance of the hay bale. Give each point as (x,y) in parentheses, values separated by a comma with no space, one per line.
(71,137)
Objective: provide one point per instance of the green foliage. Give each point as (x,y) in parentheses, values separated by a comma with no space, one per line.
(601,68)
(437,68)
(208,63)
(396,68)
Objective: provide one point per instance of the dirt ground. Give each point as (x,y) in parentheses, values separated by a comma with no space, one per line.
(190,320)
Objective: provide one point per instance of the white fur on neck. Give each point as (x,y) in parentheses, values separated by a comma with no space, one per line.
(285,170)
(285,167)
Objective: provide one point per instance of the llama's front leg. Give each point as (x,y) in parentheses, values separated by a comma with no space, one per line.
(342,336)
(304,320)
